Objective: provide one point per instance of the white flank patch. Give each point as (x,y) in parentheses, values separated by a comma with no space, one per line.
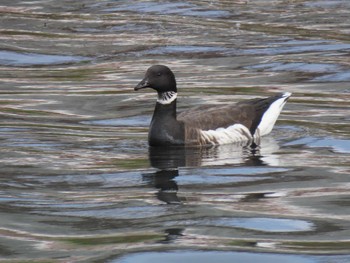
(269,118)
(167,97)
(232,134)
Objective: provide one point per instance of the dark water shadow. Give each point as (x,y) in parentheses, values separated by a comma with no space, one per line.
(168,160)
(233,154)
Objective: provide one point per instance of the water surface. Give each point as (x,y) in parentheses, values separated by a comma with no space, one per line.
(78,182)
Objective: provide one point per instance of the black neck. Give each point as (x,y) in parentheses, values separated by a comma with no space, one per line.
(164,128)
(165,110)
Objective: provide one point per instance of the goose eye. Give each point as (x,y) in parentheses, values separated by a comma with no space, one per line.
(159,74)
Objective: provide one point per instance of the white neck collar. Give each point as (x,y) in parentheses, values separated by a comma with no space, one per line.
(167,97)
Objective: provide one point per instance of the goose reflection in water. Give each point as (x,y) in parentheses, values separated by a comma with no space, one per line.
(168,160)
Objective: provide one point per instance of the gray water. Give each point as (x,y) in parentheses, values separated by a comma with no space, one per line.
(78,182)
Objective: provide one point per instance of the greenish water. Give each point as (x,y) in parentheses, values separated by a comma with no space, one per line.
(78,182)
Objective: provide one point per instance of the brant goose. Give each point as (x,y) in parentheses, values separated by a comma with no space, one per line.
(245,121)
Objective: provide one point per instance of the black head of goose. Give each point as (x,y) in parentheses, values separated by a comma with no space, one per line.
(245,121)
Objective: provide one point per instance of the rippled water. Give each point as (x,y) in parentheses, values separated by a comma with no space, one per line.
(78,182)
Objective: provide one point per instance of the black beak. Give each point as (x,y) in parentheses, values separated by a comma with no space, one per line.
(143,84)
